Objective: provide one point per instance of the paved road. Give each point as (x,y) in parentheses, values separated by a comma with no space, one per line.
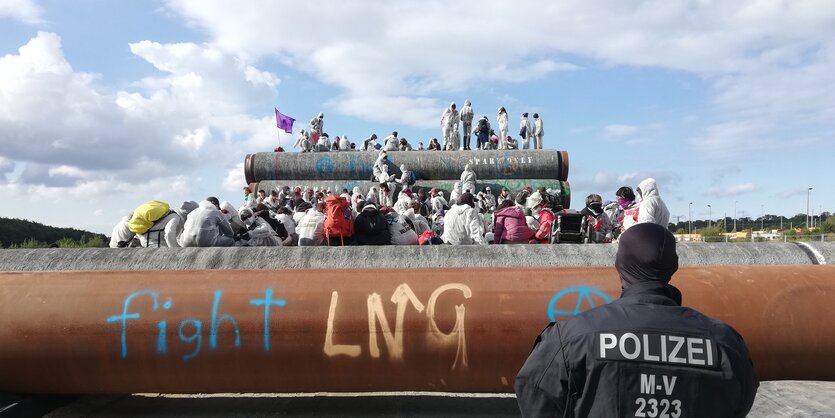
(774,399)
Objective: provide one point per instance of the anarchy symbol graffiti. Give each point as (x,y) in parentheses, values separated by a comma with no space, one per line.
(574,300)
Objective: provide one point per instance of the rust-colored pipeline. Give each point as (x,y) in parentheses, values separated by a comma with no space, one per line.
(447,329)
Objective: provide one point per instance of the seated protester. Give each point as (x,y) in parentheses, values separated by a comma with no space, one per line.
(437,202)
(371,227)
(404,200)
(344,144)
(301,208)
(628,213)
(404,145)
(511,143)
(504,195)
(456,191)
(233,216)
(462,224)
(256,232)
(311,226)
(401,232)
(272,202)
(263,212)
(373,196)
(339,222)
(356,198)
(510,226)
(600,228)
(284,216)
(423,199)
(262,194)
(121,236)
(419,222)
(207,226)
(438,222)
(286,194)
(175,225)
(542,210)
(434,145)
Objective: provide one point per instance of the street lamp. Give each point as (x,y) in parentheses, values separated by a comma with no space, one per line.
(709,215)
(808,199)
(690,218)
(735,215)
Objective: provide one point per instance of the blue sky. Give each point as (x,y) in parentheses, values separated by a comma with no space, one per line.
(105,105)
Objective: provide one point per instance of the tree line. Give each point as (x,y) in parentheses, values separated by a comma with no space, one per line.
(20,233)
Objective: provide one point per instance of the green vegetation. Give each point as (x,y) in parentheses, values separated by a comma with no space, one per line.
(18,233)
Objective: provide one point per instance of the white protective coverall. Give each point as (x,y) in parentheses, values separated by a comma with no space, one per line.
(525,123)
(463,226)
(501,119)
(420,222)
(449,124)
(121,232)
(261,234)
(467,123)
(438,202)
(379,163)
(391,143)
(468,179)
(373,196)
(403,202)
(400,231)
(652,208)
(290,226)
(303,142)
(538,132)
(311,228)
(368,143)
(206,227)
(456,191)
(317,125)
(166,231)
(344,143)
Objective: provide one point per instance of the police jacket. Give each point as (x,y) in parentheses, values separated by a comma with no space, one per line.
(643,355)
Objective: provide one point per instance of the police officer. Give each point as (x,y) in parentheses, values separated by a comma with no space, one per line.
(643,355)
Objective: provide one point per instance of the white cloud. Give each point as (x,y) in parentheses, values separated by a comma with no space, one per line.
(166,128)
(619,130)
(733,190)
(26,11)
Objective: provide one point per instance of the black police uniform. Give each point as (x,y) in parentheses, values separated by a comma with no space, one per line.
(643,355)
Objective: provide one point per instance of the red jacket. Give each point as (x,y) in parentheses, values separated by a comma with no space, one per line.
(510,225)
(546,222)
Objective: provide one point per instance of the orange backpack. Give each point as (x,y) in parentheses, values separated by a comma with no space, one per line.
(338,221)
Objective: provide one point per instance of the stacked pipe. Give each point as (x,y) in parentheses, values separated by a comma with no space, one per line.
(496,169)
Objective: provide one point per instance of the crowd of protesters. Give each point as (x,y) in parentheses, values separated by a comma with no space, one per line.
(296,216)
(458,128)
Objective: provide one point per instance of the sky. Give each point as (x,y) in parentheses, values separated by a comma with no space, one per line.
(105,105)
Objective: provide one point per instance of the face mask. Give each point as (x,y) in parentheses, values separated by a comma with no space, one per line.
(623,202)
(596,207)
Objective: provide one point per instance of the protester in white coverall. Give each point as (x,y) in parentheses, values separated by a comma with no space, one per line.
(391,142)
(405,175)
(166,231)
(373,196)
(438,203)
(404,199)
(303,142)
(261,234)
(525,125)
(284,216)
(379,163)
(467,122)
(324,143)
(356,198)
(400,231)
(652,208)
(468,179)
(538,131)
(317,126)
(462,224)
(456,192)
(449,124)
(121,233)
(344,144)
(207,227)
(501,119)
(311,226)
(369,143)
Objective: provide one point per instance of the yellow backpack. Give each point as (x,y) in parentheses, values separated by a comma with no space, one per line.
(146,214)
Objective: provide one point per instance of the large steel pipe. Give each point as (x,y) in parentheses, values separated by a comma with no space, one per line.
(496,186)
(446,329)
(427,165)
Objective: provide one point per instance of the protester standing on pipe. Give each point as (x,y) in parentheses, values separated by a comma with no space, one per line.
(501,119)
(525,131)
(538,131)
(641,355)
(467,122)
(317,126)
(449,124)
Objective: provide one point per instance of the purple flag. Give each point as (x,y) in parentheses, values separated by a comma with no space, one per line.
(284,122)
